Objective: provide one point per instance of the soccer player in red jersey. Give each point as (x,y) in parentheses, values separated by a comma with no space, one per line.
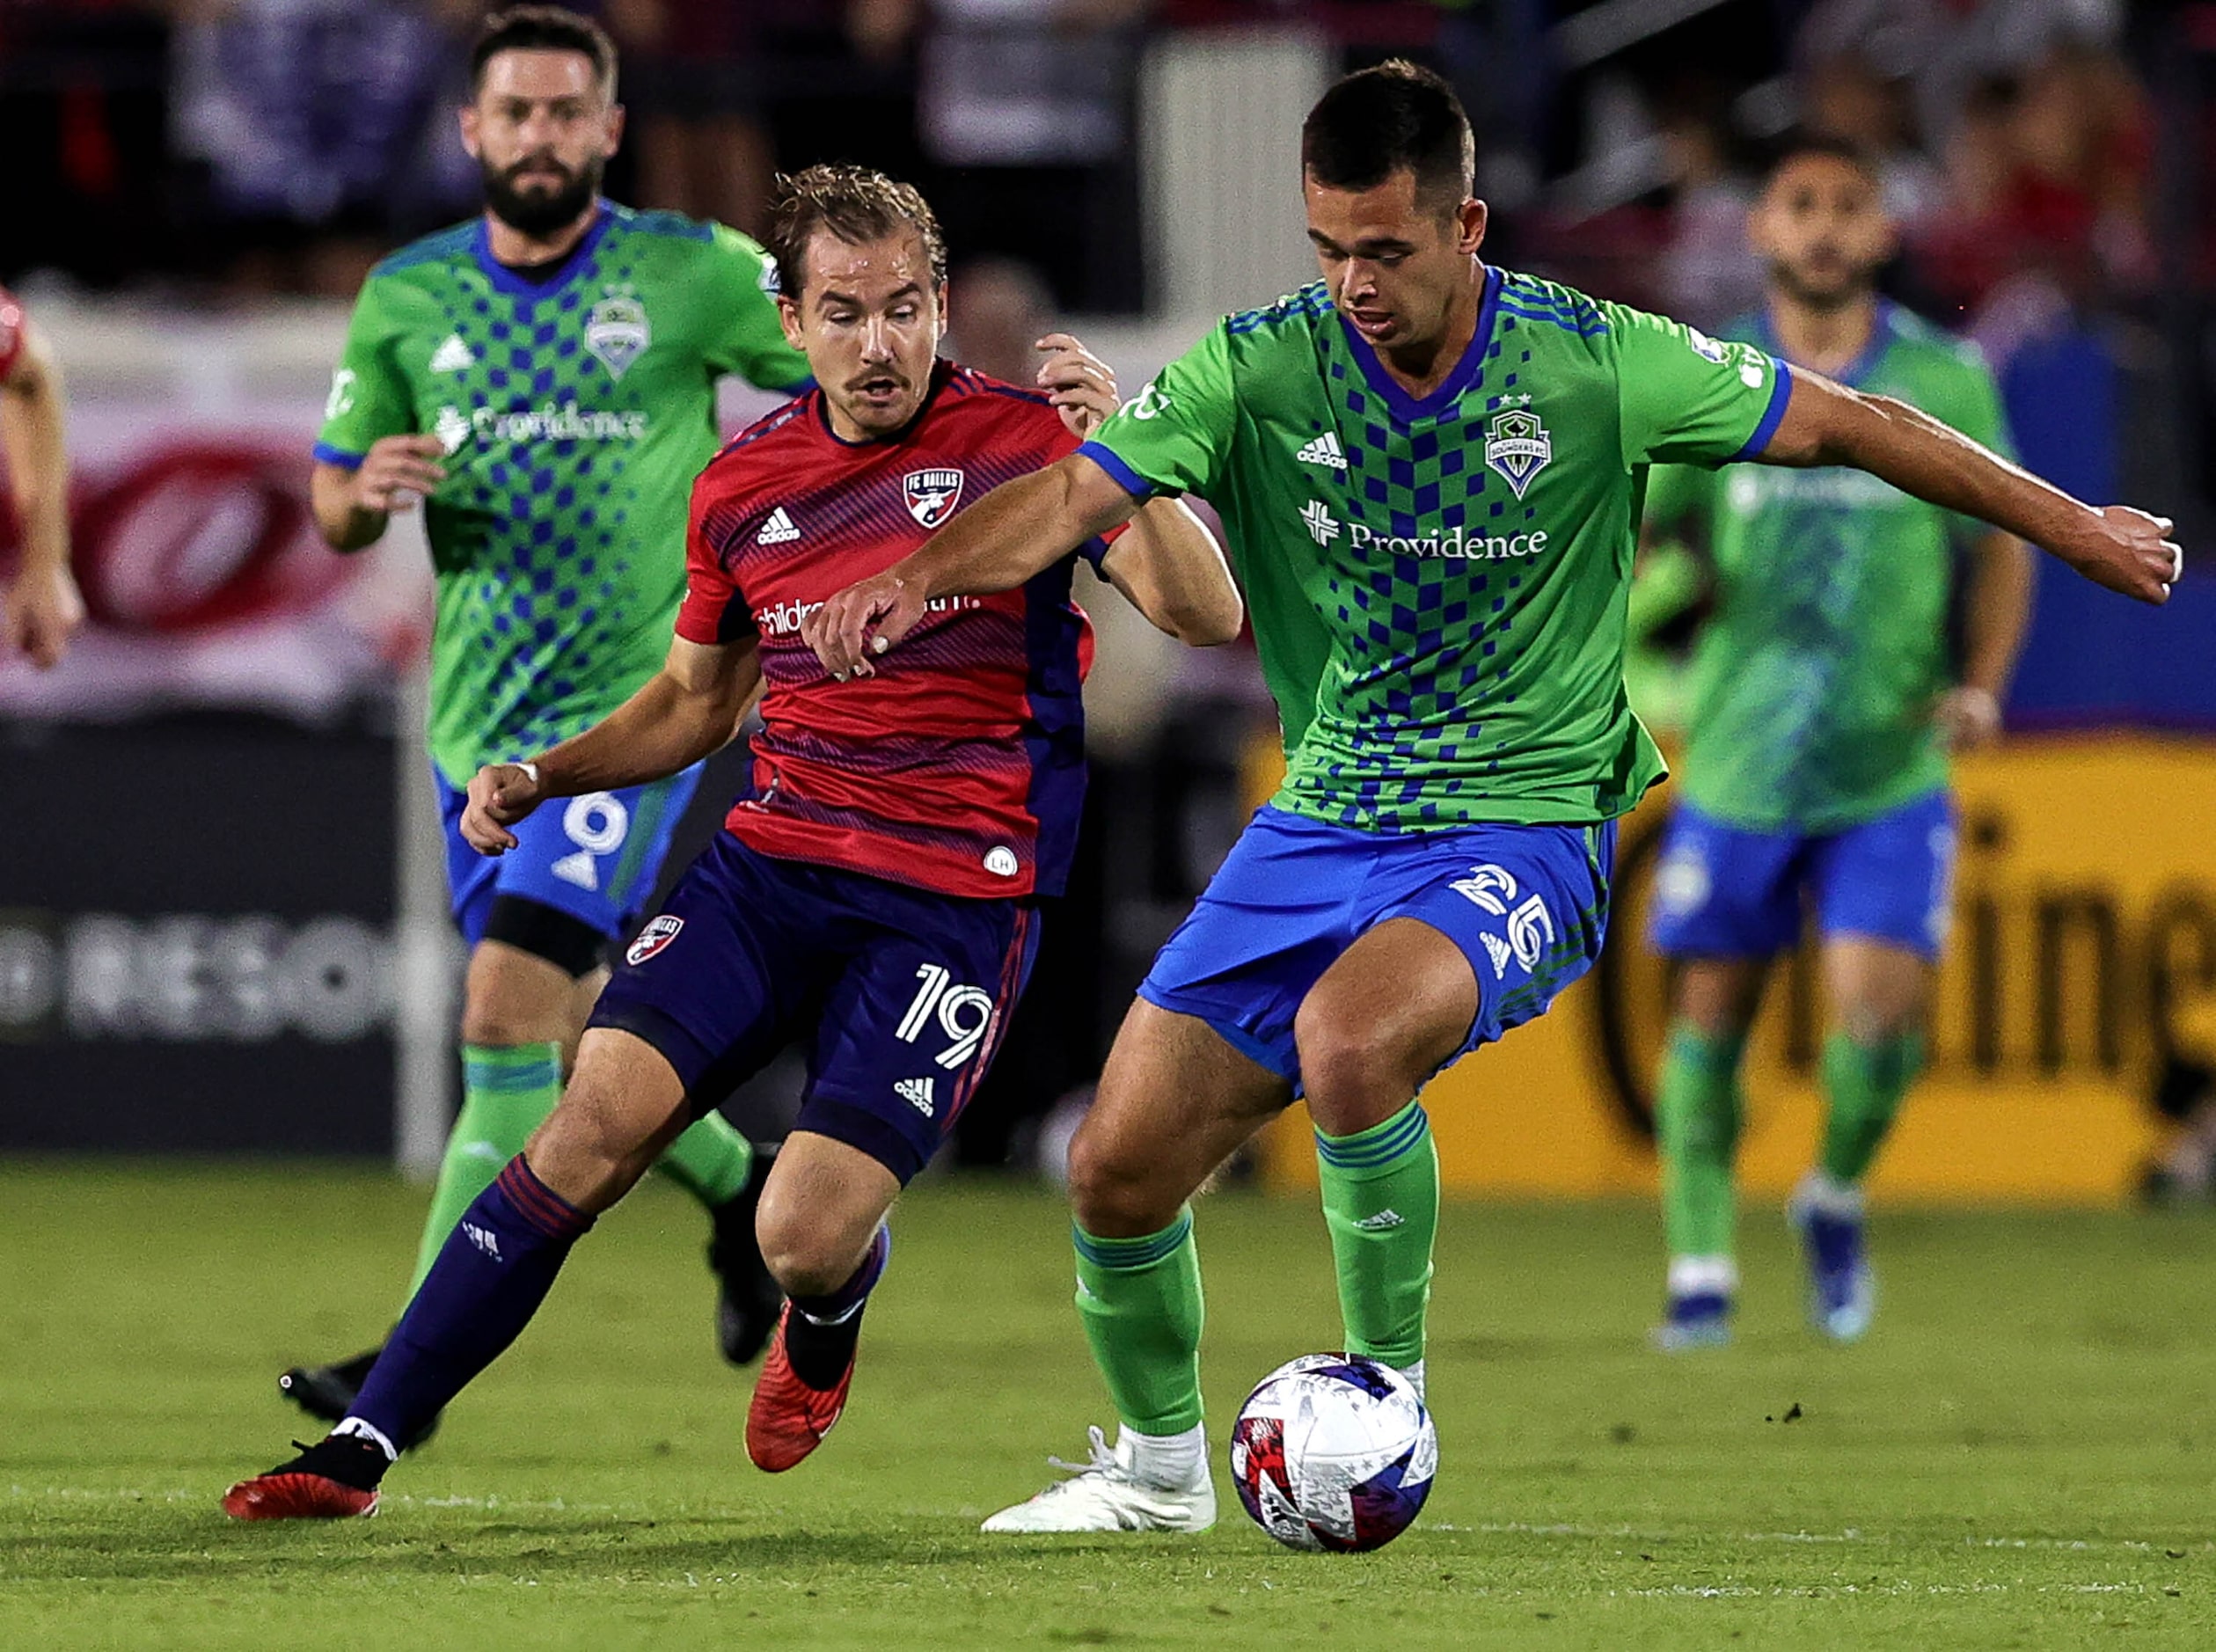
(873,890)
(42,609)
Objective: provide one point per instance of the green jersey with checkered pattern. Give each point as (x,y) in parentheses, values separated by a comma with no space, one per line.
(1810,699)
(1437,587)
(576,405)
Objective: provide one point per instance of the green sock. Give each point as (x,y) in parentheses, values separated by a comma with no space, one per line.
(1381,1202)
(711,1160)
(1140,1301)
(1863,1084)
(507,1092)
(1697,1129)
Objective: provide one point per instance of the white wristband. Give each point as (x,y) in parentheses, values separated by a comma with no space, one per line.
(530,769)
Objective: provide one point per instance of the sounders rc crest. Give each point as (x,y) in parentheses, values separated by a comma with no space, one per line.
(616,329)
(931,494)
(1517,446)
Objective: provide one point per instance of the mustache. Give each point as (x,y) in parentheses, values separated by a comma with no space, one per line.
(537,163)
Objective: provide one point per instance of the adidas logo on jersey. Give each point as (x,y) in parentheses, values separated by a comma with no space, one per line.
(778,528)
(917,1093)
(1324,450)
(452,356)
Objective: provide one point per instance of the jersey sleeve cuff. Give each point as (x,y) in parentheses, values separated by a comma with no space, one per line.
(1772,416)
(325,453)
(1124,477)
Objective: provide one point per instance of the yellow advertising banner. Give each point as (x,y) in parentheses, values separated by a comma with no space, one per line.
(2083,958)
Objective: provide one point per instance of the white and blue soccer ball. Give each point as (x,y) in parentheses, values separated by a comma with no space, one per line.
(1333,1451)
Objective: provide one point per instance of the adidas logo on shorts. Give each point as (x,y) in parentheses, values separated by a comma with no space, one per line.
(1323,451)
(777,529)
(917,1093)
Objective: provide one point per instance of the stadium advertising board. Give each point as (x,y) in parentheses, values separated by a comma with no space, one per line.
(2084,954)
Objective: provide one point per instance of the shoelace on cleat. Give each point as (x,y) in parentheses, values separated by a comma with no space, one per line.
(1104,1460)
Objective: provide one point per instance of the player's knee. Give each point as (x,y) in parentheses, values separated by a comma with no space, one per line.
(1355,1075)
(1112,1194)
(595,1144)
(502,1020)
(1880,1020)
(808,1257)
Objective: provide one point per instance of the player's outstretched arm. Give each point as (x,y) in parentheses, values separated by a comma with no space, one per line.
(998,542)
(2115,545)
(43,609)
(352,506)
(1995,618)
(687,710)
(1169,566)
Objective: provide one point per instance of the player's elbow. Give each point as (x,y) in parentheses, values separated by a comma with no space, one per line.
(1209,623)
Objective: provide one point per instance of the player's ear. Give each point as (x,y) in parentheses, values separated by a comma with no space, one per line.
(788,317)
(470,130)
(1470,219)
(614,129)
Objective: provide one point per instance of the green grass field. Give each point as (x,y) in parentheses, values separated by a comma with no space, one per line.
(2021,1456)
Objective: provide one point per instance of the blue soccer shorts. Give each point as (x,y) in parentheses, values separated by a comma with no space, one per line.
(1723,891)
(1528,906)
(900,997)
(596,857)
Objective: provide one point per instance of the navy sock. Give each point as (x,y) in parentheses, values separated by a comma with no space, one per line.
(821,1332)
(494,1269)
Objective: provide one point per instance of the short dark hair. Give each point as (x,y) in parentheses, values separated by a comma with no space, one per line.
(1396,117)
(1800,143)
(544,29)
(855,204)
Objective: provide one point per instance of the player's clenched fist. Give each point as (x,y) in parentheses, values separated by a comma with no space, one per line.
(862,621)
(1081,386)
(500,794)
(396,470)
(2130,552)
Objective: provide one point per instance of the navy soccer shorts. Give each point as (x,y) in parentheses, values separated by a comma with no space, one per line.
(1528,906)
(596,857)
(1724,891)
(900,996)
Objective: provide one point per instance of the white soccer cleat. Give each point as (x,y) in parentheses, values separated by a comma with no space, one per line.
(1103,1495)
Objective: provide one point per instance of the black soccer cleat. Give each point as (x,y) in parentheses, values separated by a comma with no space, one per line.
(328,1392)
(750,1301)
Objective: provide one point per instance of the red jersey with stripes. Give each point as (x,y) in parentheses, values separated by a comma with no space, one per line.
(10,332)
(959,766)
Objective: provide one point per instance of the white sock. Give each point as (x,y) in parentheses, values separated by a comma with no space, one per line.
(1833,1198)
(1415,1374)
(355,1428)
(1173,1461)
(1703,1276)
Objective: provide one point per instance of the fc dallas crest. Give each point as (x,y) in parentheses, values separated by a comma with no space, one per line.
(931,494)
(658,933)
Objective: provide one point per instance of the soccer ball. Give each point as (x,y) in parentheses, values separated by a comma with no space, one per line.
(1333,1451)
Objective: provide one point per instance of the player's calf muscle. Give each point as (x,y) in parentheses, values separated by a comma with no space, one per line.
(623,1106)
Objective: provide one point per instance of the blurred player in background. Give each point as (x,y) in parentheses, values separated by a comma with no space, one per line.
(1820,709)
(543,378)
(1431,472)
(41,609)
(874,893)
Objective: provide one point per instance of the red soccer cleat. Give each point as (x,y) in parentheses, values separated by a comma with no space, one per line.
(316,1485)
(789,1419)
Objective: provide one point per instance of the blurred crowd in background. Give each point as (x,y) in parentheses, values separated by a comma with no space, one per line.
(238,147)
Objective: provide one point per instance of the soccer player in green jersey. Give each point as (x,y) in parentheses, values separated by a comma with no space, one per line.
(543,379)
(1822,705)
(1430,471)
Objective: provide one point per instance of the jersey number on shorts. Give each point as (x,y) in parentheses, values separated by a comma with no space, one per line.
(1530,926)
(963,1015)
(596,823)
